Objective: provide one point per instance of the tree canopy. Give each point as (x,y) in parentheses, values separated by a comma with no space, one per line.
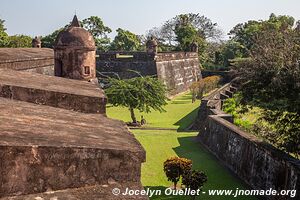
(19,41)
(3,34)
(204,27)
(125,41)
(179,32)
(271,79)
(14,41)
(93,24)
(243,37)
(246,33)
(96,27)
(141,93)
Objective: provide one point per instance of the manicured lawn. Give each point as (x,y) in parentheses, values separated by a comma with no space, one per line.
(180,113)
(162,144)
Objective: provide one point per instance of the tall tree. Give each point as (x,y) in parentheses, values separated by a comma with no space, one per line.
(92,24)
(141,93)
(180,31)
(96,27)
(19,41)
(3,34)
(49,40)
(205,28)
(246,33)
(185,35)
(125,41)
(271,79)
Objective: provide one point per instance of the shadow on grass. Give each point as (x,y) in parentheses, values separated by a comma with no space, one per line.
(180,102)
(187,120)
(219,177)
(185,97)
(187,145)
(163,196)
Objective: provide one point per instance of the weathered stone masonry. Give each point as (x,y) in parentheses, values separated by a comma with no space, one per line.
(44,148)
(258,164)
(176,69)
(56,141)
(118,63)
(39,60)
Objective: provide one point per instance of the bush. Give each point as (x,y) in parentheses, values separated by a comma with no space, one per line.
(175,167)
(278,127)
(194,180)
(282,130)
(233,107)
(186,164)
(198,89)
(141,93)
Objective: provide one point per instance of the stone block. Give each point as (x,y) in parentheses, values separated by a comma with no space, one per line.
(53,91)
(47,149)
(97,192)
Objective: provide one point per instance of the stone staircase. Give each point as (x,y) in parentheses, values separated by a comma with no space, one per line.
(213,102)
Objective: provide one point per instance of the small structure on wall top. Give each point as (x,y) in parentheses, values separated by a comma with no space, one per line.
(194,47)
(151,46)
(74,53)
(36,42)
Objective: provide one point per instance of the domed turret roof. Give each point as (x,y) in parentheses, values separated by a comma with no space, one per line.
(36,40)
(194,44)
(151,42)
(75,36)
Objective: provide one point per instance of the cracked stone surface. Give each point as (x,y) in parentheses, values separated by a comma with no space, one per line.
(44,148)
(59,92)
(98,192)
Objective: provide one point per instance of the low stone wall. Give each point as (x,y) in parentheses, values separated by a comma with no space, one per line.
(47,70)
(213,101)
(168,56)
(41,65)
(258,164)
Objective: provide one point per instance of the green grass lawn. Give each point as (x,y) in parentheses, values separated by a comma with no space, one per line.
(162,144)
(180,113)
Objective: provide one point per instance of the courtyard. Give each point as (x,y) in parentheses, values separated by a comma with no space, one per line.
(165,135)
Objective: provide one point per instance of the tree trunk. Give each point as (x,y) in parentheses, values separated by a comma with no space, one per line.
(132,115)
(175,185)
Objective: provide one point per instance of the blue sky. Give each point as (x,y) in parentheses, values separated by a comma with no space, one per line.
(41,17)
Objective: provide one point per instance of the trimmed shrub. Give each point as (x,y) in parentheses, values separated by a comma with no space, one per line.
(175,167)
(194,180)
(198,89)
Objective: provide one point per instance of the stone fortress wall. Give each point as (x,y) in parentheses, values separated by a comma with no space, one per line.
(120,63)
(177,70)
(56,140)
(258,164)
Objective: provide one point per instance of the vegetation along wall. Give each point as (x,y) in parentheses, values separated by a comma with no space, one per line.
(259,164)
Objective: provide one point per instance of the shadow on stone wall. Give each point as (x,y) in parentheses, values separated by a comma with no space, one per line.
(259,165)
